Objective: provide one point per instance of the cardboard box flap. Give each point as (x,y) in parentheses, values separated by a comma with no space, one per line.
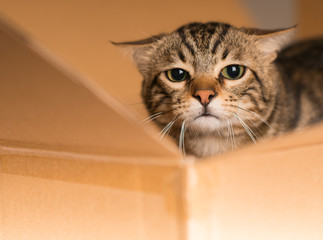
(269,191)
(45,106)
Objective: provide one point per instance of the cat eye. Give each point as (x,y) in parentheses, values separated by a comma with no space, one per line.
(177,75)
(233,72)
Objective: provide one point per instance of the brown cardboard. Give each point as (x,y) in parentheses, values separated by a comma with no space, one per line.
(47,100)
(270,191)
(88,171)
(50,198)
(75,165)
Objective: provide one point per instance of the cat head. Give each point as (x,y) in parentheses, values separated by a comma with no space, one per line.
(208,74)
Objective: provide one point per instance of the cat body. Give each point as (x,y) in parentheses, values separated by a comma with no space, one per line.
(214,87)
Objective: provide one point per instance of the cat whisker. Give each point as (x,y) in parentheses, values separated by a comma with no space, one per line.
(151,118)
(256,125)
(219,133)
(155,116)
(251,134)
(167,128)
(228,136)
(232,136)
(256,115)
(181,139)
(148,35)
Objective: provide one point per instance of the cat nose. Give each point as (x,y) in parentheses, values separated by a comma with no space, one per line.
(205,96)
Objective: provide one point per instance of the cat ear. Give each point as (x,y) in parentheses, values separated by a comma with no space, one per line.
(270,42)
(140,50)
(140,43)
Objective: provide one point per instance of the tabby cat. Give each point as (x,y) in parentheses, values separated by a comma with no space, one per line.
(214,87)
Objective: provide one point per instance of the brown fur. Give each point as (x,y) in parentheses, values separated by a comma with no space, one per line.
(280,91)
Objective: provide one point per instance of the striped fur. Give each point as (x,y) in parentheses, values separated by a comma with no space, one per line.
(279,92)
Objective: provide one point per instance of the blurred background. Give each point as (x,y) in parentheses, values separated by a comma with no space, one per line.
(79,31)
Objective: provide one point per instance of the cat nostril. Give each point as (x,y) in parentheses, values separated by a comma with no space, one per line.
(205,96)
(198,97)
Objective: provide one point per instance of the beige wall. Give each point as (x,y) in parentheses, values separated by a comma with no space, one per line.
(310,18)
(274,13)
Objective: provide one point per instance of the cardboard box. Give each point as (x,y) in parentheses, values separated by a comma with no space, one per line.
(75,164)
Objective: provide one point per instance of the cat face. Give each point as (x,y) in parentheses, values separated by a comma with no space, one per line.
(202,74)
(207,76)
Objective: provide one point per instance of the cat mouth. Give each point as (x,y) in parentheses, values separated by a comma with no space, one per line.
(206,115)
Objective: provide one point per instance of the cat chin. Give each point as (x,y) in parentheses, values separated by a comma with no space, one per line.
(207,124)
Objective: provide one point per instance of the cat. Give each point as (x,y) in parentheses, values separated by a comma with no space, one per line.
(214,87)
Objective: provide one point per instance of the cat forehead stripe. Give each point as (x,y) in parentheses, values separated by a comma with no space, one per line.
(202,34)
(183,36)
(222,34)
(181,56)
